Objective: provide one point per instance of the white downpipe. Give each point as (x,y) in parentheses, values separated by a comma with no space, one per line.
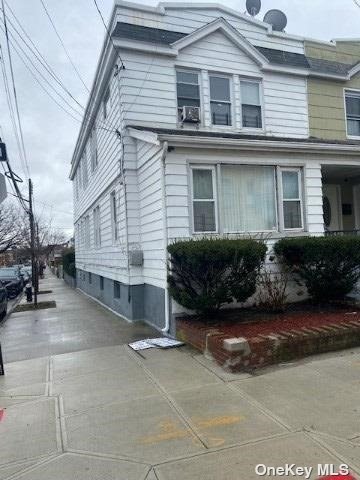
(165,232)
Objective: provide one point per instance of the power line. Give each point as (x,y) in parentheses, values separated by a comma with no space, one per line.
(107,31)
(63,45)
(38,55)
(10,106)
(40,58)
(14,90)
(71,114)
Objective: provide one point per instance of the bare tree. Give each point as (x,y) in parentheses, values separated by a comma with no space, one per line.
(10,227)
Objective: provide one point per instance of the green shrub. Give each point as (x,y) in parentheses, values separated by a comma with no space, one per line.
(206,274)
(68,260)
(329,266)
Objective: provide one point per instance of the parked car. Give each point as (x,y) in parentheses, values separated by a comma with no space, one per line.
(13,281)
(3,301)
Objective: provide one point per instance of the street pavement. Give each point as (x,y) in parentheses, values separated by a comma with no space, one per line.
(108,413)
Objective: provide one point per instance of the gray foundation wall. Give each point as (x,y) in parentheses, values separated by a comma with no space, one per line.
(136,302)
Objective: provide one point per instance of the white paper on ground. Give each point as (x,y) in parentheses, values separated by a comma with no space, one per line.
(162,342)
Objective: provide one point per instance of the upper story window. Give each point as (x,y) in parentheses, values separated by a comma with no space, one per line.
(251,105)
(93,149)
(188,89)
(220,100)
(114,216)
(352,100)
(106,103)
(97,226)
(84,170)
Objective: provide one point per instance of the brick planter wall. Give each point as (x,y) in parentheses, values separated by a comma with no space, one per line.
(240,354)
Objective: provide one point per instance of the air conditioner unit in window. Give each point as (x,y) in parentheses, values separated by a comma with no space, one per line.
(190,114)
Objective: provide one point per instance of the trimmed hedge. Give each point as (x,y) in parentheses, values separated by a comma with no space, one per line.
(329,266)
(206,274)
(68,260)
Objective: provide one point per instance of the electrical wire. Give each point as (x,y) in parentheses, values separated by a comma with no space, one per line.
(9,103)
(63,45)
(27,169)
(38,55)
(107,31)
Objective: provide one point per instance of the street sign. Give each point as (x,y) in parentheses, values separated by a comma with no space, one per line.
(3,154)
(3,191)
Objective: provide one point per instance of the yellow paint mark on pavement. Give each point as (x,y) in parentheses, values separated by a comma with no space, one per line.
(174,430)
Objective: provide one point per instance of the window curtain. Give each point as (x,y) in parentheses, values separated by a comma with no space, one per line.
(248,198)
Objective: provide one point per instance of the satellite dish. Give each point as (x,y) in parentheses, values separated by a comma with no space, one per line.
(253,7)
(277,19)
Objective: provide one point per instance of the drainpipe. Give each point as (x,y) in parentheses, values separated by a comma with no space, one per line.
(165,232)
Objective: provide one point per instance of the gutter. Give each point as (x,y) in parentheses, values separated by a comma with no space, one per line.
(258,145)
(165,233)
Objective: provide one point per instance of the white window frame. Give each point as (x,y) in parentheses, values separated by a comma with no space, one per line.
(230,78)
(281,198)
(213,200)
(262,103)
(106,103)
(114,217)
(87,231)
(85,173)
(356,93)
(93,147)
(192,72)
(97,227)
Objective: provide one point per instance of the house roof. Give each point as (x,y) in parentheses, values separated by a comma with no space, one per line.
(275,57)
(242,136)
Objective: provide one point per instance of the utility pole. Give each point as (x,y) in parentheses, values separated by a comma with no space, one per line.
(32,243)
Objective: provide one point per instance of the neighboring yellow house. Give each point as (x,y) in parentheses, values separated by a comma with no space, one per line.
(334,114)
(327,98)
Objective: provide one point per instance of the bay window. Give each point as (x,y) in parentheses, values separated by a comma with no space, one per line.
(352,101)
(251,198)
(220,100)
(251,105)
(204,200)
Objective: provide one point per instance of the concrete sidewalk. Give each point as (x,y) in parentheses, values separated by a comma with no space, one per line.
(78,323)
(110,414)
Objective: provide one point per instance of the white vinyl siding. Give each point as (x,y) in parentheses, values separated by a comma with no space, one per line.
(114,216)
(97,227)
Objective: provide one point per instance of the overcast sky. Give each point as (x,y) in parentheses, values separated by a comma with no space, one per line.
(50,134)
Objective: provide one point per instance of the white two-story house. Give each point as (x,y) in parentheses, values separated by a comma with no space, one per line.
(197,124)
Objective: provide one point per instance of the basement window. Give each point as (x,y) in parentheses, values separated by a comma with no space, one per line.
(116,289)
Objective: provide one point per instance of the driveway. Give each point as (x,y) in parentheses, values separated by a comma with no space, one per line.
(109,413)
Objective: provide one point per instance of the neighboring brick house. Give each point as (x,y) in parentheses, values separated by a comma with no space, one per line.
(205,132)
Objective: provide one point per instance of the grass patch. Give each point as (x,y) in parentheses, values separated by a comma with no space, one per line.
(26,307)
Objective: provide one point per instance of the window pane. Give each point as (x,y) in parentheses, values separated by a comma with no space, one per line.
(187,91)
(220,113)
(204,217)
(251,116)
(354,127)
(290,183)
(352,106)
(250,93)
(292,215)
(189,102)
(248,198)
(220,89)
(186,77)
(203,184)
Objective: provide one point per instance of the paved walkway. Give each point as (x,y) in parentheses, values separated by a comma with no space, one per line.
(77,323)
(109,414)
